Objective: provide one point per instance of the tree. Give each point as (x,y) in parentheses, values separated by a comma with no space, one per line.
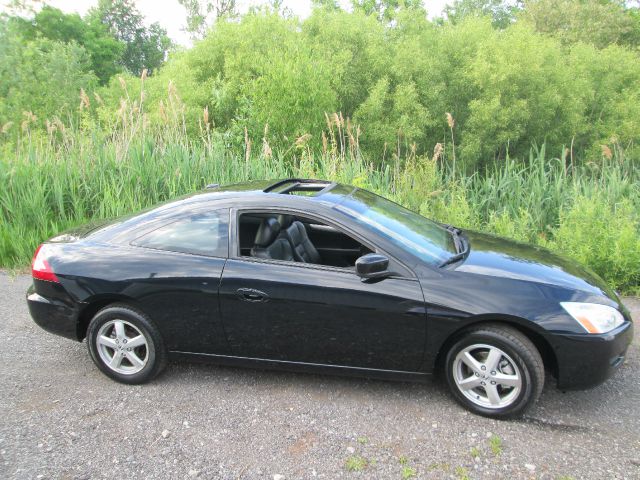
(598,22)
(326,4)
(41,76)
(145,48)
(384,10)
(51,23)
(502,12)
(201,13)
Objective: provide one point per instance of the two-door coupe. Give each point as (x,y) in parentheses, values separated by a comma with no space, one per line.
(318,276)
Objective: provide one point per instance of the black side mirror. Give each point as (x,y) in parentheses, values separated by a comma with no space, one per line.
(372,265)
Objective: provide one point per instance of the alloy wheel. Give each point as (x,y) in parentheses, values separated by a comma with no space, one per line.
(487,376)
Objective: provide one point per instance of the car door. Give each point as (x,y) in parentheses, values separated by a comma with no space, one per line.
(176,275)
(300,312)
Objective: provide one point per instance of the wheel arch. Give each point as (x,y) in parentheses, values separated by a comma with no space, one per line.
(93,306)
(545,349)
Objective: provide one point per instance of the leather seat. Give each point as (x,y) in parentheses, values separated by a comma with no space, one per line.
(270,244)
(296,234)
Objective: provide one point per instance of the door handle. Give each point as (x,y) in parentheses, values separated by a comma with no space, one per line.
(252,295)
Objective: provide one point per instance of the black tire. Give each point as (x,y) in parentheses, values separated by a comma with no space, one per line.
(155,354)
(521,351)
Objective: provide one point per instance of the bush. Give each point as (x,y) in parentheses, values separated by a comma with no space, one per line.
(604,236)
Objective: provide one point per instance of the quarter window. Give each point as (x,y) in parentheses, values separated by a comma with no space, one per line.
(199,234)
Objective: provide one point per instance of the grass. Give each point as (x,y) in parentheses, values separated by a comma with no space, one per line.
(495,444)
(356,463)
(408,472)
(52,183)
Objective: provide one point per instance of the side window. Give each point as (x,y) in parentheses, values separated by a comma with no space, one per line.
(199,234)
(295,238)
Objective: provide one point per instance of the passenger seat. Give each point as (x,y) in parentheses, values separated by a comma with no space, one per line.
(296,234)
(270,244)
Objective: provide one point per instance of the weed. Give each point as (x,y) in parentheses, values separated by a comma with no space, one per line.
(356,463)
(495,443)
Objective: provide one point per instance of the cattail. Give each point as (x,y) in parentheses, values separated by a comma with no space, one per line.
(6,127)
(302,140)
(123,107)
(324,143)
(29,116)
(84,99)
(606,152)
(266,149)
(437,152)
(143,77)
(205,115)
(247,146)
(59,125)
(123,84)
(162,112)
(51,128)
(450,120)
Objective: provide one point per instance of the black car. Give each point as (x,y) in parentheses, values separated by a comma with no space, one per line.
(317,276)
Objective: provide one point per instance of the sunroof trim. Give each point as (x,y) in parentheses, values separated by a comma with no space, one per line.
(292,184)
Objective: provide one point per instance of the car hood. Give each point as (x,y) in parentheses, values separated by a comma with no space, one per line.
(498,257)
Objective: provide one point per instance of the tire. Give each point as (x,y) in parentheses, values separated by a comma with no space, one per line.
(505,380)
(126,345)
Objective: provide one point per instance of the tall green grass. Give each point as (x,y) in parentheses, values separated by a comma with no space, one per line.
(589,212)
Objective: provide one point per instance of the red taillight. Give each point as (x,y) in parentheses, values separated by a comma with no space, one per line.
(40,267)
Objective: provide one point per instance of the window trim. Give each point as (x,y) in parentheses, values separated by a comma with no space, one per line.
(182,217)
(234,241)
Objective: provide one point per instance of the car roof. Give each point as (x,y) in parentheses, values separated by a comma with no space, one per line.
(307,194)
(270,192)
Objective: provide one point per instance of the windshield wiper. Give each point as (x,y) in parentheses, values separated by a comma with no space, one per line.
(461,250)
(455,234)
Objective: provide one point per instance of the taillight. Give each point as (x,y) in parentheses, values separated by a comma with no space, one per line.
(40,267)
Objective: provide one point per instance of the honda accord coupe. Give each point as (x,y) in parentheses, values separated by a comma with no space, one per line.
(317,276)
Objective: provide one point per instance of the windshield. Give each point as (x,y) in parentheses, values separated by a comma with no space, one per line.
(422,237)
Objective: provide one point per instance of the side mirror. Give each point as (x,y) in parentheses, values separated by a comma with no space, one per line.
(372,265)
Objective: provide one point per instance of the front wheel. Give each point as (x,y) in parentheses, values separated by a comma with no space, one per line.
(126,345)
(495,371)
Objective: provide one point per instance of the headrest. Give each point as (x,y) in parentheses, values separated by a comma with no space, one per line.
(285,221)
(267,232)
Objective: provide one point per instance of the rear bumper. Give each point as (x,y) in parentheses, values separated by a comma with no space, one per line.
(53,315)
(585,361)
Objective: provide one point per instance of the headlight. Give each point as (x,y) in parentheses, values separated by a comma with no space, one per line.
(593,317)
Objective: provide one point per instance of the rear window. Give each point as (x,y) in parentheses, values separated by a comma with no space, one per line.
(200,234)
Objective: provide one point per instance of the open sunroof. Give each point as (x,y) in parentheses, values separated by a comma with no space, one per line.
(299,186)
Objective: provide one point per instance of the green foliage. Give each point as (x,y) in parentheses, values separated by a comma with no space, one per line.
(597,22)
(502,13)
(51,23)
(356,463)
(43,77)
(201,12)
(144,48)
(408,472)
(603,236)
(439,116)
(495,443)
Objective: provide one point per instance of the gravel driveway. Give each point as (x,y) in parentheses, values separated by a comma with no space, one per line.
(61,418)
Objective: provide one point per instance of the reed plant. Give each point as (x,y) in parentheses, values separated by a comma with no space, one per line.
(85,171)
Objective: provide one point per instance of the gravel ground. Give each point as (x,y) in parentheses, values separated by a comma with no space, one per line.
(61,418)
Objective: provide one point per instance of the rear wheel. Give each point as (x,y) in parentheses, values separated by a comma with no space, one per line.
(126,345)
(495,371)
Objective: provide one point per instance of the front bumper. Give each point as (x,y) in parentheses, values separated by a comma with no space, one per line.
(586,360)
(53,314)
